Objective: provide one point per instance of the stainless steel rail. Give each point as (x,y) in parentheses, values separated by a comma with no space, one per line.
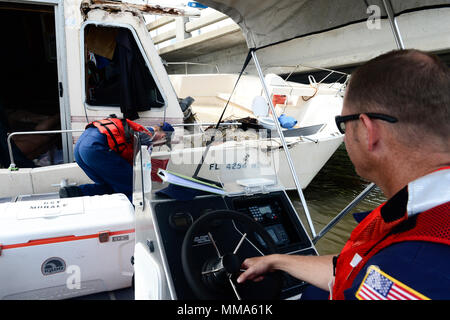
(393,21)
(283,142)
(206,124)
(344,212)
(12,165)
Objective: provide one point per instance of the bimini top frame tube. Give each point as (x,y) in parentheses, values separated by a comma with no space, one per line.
(283,142)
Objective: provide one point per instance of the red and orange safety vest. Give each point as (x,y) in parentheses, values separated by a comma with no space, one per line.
(374,234)
(119,133)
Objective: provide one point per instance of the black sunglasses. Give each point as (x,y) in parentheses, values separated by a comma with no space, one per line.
(341,120)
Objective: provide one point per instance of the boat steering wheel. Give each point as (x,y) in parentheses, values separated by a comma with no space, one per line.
(213,250)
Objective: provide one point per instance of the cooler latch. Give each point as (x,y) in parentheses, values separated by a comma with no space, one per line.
(103,236)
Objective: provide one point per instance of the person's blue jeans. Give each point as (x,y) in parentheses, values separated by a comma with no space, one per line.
(110,172)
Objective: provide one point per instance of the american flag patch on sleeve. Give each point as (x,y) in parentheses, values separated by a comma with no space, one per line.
(377,285)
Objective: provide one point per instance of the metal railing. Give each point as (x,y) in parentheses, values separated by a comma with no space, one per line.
(183,27)
(12,166)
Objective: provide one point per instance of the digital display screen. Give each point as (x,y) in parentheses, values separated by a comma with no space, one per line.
(265,209)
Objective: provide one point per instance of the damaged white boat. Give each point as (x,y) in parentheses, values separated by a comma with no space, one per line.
(91,83)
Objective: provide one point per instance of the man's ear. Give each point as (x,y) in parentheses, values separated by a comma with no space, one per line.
(372,131)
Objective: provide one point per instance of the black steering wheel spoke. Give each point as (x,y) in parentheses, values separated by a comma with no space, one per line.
(211,267)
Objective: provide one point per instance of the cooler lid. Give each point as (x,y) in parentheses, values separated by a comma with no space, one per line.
(27,221)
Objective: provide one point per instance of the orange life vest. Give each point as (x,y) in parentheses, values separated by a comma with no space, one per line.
(374,234)
(119,133)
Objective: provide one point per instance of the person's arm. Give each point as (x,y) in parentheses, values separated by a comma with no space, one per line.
(316,270)
(160,133)
(152,136)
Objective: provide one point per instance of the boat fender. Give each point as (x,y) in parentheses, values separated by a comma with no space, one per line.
(287,121)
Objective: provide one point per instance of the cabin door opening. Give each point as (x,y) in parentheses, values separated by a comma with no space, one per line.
(29,85)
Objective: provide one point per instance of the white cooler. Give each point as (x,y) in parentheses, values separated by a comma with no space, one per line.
(63,248)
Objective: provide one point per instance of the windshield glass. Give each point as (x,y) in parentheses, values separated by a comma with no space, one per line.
(232,166)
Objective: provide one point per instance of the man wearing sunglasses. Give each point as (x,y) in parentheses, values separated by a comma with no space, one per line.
(396,121)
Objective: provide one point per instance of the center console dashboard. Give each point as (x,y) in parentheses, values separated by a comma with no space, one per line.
(273,211)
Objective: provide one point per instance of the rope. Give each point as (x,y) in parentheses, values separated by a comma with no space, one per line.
(309,98)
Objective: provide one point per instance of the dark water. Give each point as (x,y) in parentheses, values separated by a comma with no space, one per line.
(335,186)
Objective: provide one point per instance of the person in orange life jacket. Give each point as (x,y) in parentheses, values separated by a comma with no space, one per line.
(105,153)
(396,120)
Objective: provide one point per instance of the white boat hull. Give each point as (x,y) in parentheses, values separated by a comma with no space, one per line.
(308,158)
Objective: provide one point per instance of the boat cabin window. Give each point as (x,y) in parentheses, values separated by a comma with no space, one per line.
(116,73)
